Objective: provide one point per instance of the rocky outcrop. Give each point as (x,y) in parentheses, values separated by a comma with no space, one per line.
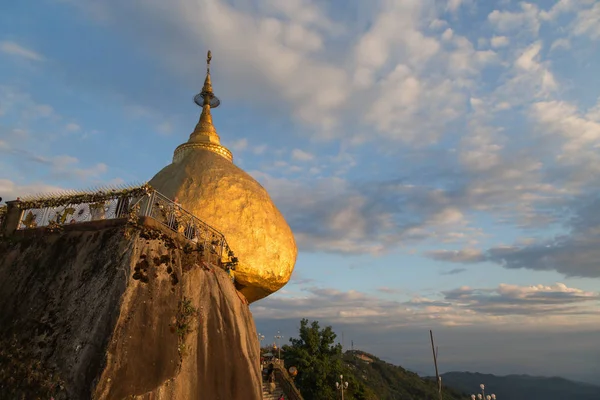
(98,315)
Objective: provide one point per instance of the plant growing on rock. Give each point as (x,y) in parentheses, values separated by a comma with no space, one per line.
(182,327)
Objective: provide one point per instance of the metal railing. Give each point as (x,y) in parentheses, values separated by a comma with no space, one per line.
(286,383)
(105,206)
(177,219)
(76,213)
(2,217)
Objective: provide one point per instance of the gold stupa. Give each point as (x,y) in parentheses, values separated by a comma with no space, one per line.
(205,182)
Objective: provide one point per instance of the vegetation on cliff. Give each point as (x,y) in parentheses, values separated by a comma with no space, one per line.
(320,362)
(23,376)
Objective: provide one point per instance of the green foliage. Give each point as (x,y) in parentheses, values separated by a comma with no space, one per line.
(382,380)
(182,326)
(317,358)
(320,363)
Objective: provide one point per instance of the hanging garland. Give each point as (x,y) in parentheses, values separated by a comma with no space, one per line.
(97,197)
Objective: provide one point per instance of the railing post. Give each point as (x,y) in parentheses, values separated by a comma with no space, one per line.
(44,220)
(149,205)
(221,249)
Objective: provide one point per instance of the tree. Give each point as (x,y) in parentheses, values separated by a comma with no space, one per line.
(317,359)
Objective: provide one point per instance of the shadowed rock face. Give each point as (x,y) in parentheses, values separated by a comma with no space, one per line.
(102,314)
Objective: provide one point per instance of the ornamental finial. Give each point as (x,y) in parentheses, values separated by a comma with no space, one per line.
(208,58)
(204,134)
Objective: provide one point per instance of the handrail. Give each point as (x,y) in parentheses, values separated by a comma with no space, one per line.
(286,383)
(2,215)
(142,201)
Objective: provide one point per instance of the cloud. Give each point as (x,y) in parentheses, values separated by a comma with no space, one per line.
(22,107)
(61,167)
(505,305)
(300,155)
(587,22)
(14,49)
(471,325)
(561,43)
(574,254)
(239,145)
(165,128)
(72,127)
(454,271)
(454,5)
(460,256)
(461,133)
(10,190)
(525,19)
(340,216)
(506,299)
(578,133)
(499,41)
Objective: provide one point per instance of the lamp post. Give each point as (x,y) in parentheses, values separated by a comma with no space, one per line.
(277,337)
(482,395)
(261,337)
(341,385)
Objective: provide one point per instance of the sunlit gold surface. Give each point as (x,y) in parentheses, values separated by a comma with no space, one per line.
(204,134)
(224,196)
(208,184)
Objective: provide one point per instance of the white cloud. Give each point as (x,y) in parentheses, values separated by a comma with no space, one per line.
(454,5)
(499,41)
(301,155)
(10,190)
(526,19)
(403,80)
(239,145)
(588,22)
(14,49)
(580,133)
(165,128)
(404,100)
(72,127)
(528,307)
(447,35)
(394,32)
(561,43)
(438,24)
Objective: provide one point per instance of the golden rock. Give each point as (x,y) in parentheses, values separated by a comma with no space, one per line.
(206,183)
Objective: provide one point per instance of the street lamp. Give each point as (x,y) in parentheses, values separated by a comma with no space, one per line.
(261,337)
(277,337)
(341,385)
(482,396)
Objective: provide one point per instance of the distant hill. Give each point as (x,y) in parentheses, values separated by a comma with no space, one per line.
(385,381)
(522,387)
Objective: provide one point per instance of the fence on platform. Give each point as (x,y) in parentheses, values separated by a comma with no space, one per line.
(2,217)
(141,201)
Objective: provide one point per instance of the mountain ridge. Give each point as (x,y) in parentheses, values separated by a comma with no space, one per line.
(521,386)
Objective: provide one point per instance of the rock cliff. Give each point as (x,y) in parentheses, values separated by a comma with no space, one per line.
(106,312)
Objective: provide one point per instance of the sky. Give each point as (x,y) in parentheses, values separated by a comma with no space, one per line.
(438,161)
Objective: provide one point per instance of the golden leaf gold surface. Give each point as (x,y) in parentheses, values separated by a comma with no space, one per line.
(218,192)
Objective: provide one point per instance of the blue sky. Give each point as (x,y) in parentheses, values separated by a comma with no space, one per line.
(437,160)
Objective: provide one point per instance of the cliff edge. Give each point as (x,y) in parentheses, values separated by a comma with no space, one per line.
(101,310)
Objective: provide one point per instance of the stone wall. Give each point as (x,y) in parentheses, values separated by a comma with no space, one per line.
(96,313)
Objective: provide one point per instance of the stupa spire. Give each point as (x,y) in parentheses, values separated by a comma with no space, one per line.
(207,100)
(205,135)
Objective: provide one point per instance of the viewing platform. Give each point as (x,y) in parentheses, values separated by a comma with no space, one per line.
(140,204)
